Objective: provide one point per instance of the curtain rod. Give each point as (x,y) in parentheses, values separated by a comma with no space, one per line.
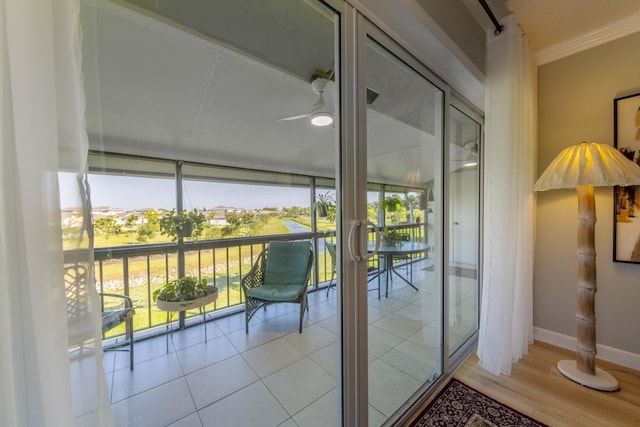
(496,24)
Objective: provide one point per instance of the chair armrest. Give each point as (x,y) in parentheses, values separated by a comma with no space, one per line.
(115,317)
(255,276)
(127,300)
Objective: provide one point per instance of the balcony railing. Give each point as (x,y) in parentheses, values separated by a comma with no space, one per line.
(138,270)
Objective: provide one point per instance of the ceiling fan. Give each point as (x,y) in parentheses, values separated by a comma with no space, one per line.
(319,115)
(472,157)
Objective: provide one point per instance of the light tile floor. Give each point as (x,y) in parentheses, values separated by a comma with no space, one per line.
(275,376)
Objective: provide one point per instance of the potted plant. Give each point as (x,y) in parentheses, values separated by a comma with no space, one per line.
(391,237)
(182,224)
(184,293)
(391,203)
(324,203)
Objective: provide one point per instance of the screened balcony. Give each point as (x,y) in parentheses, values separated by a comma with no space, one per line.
(197,106)
(137,269)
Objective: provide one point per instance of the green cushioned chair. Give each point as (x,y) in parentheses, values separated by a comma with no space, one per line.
(280,274)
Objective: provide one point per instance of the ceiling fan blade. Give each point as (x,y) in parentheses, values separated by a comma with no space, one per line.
(318,85)
(299,116)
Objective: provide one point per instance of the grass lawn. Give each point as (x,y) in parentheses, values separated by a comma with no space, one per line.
(147,274)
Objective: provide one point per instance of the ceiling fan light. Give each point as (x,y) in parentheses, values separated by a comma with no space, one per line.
(321,118)
(470,161)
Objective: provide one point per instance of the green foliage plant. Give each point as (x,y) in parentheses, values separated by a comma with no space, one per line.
(145,233)
(324,202)
(391,203)
(331,213)
(108,226)
(391,236)
(186,288)
(173,224)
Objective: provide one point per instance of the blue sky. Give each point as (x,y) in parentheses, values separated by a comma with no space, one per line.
(130,193)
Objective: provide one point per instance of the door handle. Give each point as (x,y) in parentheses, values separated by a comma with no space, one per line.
(355,224)
(355,248)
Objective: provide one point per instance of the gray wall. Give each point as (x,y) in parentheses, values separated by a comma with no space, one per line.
(575,104)
(458,22)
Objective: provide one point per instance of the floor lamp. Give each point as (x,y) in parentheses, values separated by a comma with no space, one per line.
(583,167)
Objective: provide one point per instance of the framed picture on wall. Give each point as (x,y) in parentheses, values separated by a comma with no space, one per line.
(626,205)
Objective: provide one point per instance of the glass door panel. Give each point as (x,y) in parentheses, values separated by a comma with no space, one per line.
(242,97)
(464,227)
(404,140)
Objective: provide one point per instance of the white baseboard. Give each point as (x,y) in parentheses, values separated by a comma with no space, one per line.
(610,354)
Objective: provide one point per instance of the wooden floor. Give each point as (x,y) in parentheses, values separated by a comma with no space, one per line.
(537,389)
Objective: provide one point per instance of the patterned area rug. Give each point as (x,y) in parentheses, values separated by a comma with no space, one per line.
(458,405)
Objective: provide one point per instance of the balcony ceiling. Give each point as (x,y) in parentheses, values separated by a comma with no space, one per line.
(167,88)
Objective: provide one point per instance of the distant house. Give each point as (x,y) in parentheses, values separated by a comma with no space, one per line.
(217,217)
(106,211)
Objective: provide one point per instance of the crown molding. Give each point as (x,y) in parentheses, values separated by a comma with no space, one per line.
(616,30)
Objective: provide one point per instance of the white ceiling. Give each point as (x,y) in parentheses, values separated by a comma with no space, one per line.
(549,23)
(181,90)
(155,87)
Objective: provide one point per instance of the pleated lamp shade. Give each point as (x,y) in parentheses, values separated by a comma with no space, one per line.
(589,163)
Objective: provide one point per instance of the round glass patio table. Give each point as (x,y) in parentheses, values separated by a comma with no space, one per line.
(388,252)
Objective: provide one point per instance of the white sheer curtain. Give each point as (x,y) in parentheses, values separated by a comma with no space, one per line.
(42,131)
(506,317)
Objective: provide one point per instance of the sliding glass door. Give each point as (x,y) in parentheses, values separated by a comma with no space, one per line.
(243,97)
(290,120)
(404,129)
(463,226)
